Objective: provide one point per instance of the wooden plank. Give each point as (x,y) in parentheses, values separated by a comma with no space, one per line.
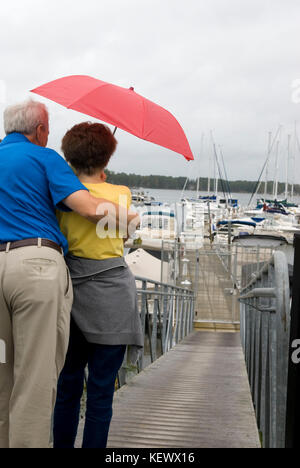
(197,395)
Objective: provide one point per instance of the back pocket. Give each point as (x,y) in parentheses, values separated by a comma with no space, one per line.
(41,267)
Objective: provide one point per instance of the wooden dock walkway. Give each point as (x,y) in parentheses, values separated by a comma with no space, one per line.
(195,396)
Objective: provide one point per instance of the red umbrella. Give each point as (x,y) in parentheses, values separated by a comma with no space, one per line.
(121,107)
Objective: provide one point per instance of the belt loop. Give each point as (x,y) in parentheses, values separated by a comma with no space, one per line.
(7,247)
(39,242)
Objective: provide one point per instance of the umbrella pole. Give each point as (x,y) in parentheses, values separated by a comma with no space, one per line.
(115,130)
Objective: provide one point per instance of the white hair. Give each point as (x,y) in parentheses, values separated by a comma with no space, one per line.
(25,117)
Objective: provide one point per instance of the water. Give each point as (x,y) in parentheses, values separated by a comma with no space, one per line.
(173,196)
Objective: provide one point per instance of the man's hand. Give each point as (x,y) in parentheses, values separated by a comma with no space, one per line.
(94,209)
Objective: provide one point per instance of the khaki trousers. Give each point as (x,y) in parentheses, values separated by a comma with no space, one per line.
(35,303)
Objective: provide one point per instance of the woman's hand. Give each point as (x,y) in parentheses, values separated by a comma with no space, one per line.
(134,223)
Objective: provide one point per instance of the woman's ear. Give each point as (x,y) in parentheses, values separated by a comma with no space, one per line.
(103,176)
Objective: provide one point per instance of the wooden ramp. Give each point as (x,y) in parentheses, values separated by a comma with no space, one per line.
(196,396)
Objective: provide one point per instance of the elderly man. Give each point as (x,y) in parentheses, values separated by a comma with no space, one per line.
(35,288)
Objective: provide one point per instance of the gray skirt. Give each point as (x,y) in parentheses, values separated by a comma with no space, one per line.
(105,301)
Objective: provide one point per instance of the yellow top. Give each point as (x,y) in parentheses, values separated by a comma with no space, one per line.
(81,234)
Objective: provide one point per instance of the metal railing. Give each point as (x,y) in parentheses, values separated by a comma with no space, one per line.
(241,261)
(265,336)
(293,401)
(219,280)
(216,292)
(167,316)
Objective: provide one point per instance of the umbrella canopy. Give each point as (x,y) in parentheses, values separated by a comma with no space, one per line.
(121,107)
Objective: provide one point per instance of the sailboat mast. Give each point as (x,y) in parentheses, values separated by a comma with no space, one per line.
(294,162)
(267,166)
(215,173)
(275,193)
(201,155)
(214,164)
(229,196)
(258,183)
(219,168)
(197,189)
(209,172)
(287,168)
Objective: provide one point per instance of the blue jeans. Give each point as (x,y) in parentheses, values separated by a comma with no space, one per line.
(103,362)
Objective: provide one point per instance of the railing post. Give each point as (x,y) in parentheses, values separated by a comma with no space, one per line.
(166,300)
(267,331)
(183,318)
(292,439)
(154,324)
(265,381)
(192,312)
(179,319)
(282,336)
(143,319)
(169,326)
(171,316)
(188,310)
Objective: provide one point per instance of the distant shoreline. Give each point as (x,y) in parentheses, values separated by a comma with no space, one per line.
(177,183)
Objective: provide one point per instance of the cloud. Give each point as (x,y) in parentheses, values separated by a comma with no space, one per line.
(221,66)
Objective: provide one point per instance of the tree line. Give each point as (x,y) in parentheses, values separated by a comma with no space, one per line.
(177,183)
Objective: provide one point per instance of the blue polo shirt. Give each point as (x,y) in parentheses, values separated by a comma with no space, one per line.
(33,182)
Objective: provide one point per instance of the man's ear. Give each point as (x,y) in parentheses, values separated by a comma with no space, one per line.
(39,130)
(40,135)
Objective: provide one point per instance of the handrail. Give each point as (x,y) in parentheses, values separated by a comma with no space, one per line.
(293,404)
(167,316)
(158,283)
(265,335)
(259,292)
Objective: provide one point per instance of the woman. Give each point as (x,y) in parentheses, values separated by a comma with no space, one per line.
(105,317)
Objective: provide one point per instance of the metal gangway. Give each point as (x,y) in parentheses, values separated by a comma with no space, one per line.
(270,333)
(190,388)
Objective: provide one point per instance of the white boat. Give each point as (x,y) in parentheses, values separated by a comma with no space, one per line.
(138,197)
(192,226)
(158,224)
(265,240)
(227,229)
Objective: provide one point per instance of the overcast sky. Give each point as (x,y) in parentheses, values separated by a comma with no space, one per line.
(221,65)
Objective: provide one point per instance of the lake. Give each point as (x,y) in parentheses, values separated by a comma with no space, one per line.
(173,196)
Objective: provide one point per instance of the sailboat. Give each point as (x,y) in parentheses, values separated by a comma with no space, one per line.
(280,215)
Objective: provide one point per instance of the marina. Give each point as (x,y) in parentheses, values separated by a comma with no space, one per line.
(150,227)
(205,378)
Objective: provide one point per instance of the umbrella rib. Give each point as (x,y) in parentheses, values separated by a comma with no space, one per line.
(143,121)
(85,95)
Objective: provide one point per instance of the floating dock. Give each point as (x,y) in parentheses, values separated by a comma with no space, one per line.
(196,395)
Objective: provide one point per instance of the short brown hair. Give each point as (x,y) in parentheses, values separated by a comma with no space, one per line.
(88,147)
